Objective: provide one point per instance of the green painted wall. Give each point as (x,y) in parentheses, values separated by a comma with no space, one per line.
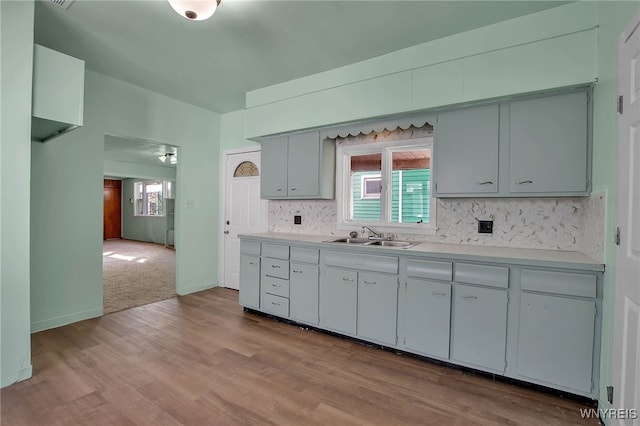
(16,50)
(140,228)
(66,190)
(614,16)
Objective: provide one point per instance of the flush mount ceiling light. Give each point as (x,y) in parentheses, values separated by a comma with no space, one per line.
(173,158)
(195,10)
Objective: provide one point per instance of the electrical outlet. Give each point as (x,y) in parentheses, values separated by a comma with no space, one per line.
(485,227)
(297,220)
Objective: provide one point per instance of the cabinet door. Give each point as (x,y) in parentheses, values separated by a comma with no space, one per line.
(555,340)
(304,165)
(250,281)
(466,151)
(338,300)
(273,178)
(303,292)
(427,317)
(377,307)
(549,144)
(479,329)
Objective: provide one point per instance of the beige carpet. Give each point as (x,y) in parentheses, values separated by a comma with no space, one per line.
(136,273)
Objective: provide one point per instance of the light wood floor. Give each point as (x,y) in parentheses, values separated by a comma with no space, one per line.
(201,360)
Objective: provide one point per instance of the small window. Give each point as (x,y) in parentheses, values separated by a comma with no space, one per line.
(386,185)
(246,169)
(149,198)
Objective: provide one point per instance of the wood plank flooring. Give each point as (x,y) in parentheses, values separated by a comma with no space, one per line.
(200,360)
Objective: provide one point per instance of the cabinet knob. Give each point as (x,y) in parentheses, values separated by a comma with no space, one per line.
(275,303)
(470,297)
(276,285)
(293,189)
(521,182)
(369,282)
(438,293)
(279,189)
(226,232)
(347,279)
(296,271)
(486,182)
(275,266)
(252,263)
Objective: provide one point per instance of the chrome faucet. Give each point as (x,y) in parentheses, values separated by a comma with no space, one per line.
(373,234)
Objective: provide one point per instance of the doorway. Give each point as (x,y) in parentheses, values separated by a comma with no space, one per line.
(112,209)
(244,211)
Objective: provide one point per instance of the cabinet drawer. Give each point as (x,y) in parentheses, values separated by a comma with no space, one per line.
(275,305)
(492,276)
(305,255)
(431,269)
(275,268)
(559,283)
(250,247)
(276,251)
(366,262)
(275,286)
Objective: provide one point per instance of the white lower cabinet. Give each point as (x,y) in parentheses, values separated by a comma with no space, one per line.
(479,326)
(338,300)
(377,307)
(442,307)
(427,317)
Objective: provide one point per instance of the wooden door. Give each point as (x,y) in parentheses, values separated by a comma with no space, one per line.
(112,208)
(626,350)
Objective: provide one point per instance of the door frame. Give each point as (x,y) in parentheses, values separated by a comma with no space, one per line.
(223,205)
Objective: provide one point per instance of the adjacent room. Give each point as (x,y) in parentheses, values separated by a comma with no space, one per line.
(319,212)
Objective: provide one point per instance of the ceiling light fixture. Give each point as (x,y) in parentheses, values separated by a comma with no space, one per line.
(173,158)
(195,10)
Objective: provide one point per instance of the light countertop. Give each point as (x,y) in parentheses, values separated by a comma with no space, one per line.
(569,259)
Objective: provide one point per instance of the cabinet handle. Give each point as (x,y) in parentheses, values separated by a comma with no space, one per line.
(274,303)
(470,297)
(275,266)
(279,189)
(347,279)
(486,182)
(438,293)
(524,181)
(252,263)
(369,282)
(293,189)
(296,272)
(276,285)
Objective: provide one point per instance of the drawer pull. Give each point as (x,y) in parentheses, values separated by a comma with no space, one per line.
(294,189)
(276,285)
(486,182)
(275,303)
(275,266)
(252,263)
(438,293)
(279,189)
(470,297)
(524,181)
(347,279)
(296,271)
(369,282)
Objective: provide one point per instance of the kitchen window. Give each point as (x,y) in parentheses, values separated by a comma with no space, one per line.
(150,197)
(386,185)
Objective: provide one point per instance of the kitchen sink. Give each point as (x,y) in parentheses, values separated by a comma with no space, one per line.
(375,243)
(393,243)
(349,240)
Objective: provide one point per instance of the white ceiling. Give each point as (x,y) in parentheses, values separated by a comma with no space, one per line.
(136,151)
(250,44)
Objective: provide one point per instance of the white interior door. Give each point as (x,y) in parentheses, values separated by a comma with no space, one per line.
(627,326)
(245,212)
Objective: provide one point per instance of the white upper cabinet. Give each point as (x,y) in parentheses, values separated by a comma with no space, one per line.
(548,145)
(58,94)
(466,155)
(298,166)
(534,146)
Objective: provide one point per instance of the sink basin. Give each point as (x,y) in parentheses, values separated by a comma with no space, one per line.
(393,243)
(349,240)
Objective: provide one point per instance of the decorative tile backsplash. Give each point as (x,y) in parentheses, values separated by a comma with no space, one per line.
(575,224)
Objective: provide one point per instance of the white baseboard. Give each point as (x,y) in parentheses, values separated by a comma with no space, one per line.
(182,291)
(20,375)
(64,320)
